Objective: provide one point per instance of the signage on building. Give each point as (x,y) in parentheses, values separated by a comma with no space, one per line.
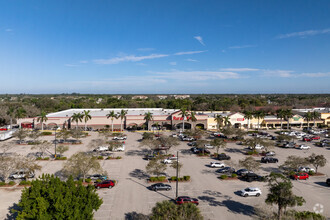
(180,118)
(240,119)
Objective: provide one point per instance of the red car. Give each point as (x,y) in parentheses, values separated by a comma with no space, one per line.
(301,176)
(307,139)
(105,184)
(316,138)
(186,199)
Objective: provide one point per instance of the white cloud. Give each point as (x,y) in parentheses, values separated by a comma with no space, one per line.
(9,30)
(239,69)
(173,63)
(304,33)
(190,52)
(242,46)
(145,49)
(197,75)
(191,60)
(71,65)
(83,61)
(280,73)
(314,75)
(131,58)
(200,39)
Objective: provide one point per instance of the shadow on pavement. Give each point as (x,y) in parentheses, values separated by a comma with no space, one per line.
(137,152)
(186,152)
(136,216)
(322,184)
(216,194)
(235,150)
(139,174)
(239,208)
(209,172)
(12,215)
(210,200)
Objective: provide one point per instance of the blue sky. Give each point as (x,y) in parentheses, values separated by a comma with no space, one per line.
(165,46)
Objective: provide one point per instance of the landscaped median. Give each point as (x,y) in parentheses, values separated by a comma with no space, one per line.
(164,179)
(226,177)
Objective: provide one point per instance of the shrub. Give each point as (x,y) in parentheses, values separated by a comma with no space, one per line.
(252,152)
(42,158)
(46,133)
(153,178)
(11,183)
(2,183)
(98,181)
(311,173)
(100,157)
(291,173)
(24,183)
(233,175)
(60,158)
(161,178)
(186,178)
(223,177)
(88,180)
(119,157)
(173,178)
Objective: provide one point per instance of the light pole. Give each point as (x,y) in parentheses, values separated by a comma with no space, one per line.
(55,141)
(177,174)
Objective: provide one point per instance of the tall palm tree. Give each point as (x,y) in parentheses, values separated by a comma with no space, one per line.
(77,117)
(148,117)
(10,112)
(122,115)
(87,117)
(219,120)
(308,116)
(192,117)
(112,115)
(259,115)
(42,118)
(316,115)
(184,113)
(281,115)
(226,120)
(288,115)
(248,115)
(20,113)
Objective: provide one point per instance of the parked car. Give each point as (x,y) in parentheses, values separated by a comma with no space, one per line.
(328,181)
(315,138)
(270,154)
(105,184)
(303,147)
(186,199)
(301,176)
(306,169)
(249,177)
(193,143)
(101,148)
(120,148)
(273,138)
(209,146)
(119,138)
(174,135)
(250,191)
(22,174)
(169,160)
(257,147)
(97,177)
(149,157)
(226,170)
(290,145)
(223,156)
(269,160)
(242,172)
(186,138)
(307,139)
(160,186)
(217,165)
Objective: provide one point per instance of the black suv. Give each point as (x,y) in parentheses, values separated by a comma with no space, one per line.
(328,181)
(269,160)
(149,157)
(223,156)
(249,177)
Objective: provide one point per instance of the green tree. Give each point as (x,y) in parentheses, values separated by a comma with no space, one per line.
(51,198)
(317,161)
(219,120)
(21,134)
(226,120)
(184,113)
(42,147)
(148,117)
(35,134)
(10,112)
(259,115)
(280,113)
(87,116)
(77,117)
(178,166)
(62,149)
(20,113)
(7,167)
(168,210)
(122,116)
(288,115)
(113,116)
(65,134)
(280,193)
(294,162)
(156,167)
(315,115)
(42,118)
(218,143)
(80,164)
(249,163)
(248,115)
(308,116)
(192,118)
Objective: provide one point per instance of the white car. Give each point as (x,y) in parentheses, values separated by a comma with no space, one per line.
(119,138)
(102,148)
(306,169)
(121,148)
(208,146)
(169,160)
(270,154)
(257,147)
(250,191)
(304,147)
(21,175)
(217,165)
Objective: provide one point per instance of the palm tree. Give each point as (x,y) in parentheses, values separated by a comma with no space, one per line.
(20,113)
(308,116)
(316,115)
(148,117)
(86,117)
(226,121)
(248,115)
(42,118)
(122,115)
(184,113)
(10,112)
(281,115)
(192,117)
(219,120)
(112,115)
(259,115)
(77,117)
(288,115)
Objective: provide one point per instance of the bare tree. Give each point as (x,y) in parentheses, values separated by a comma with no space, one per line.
(61,149)
(42,147)
(35,134)
(21,134)
(294,162)
(4,148)
(29,165)
(317,161)
(249,163)
(7,166)
(156,167)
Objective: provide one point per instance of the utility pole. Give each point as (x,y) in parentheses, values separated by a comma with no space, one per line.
(55,141)
(177,174)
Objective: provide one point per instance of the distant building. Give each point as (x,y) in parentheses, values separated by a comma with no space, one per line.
(181,96)
(117,96)
(140,97)
(162,96)
(99,100)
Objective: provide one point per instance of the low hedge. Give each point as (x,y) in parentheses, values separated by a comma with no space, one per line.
(223,177)
(42,158)
(100,157)
(88,180)
(111,158)
(24,183)
(46,133)
(233,175)
(252,152)
(11,183)
(184,178)
(61,158)
(157,178)
(2,183)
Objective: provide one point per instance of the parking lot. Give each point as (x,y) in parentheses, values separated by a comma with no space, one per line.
(218,198)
